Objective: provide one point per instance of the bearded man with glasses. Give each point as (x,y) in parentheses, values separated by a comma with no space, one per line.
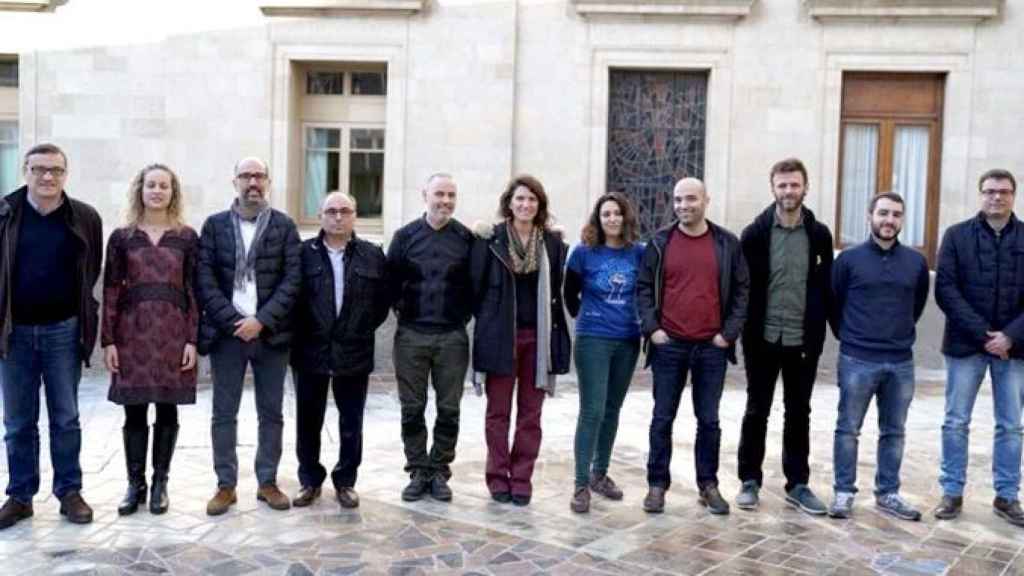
(50,254)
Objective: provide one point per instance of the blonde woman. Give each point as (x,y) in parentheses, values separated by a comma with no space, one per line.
(149,327)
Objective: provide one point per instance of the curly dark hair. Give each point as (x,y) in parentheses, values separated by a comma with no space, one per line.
(542,218)
(593,234)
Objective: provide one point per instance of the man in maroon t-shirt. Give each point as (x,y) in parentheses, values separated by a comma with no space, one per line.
(692,297)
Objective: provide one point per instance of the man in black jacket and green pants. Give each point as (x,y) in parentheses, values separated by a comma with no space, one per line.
(789,254)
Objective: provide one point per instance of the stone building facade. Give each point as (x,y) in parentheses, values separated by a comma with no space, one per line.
(372,96)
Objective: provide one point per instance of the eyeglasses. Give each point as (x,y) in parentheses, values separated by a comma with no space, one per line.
(246,176)
(338,212)
(40,171)
(996,192)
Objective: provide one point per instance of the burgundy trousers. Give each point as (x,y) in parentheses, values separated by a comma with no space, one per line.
(511,471)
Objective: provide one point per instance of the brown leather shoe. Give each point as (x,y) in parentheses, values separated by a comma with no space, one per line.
(74,507)
(274,498)
(348,498)
(14,512)
(221,501)
(580,502)
(306,496)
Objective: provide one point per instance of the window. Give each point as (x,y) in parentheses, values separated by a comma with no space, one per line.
(325,83)
(890,141)
(346,158)
(8,156)
(9,72)
(370,83)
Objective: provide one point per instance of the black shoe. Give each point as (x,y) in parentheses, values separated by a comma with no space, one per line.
(501,497)
(14,512)
(347,497)
(712,499)
(418,485)
(136,443)
(439,489)
(73,506)
(306,496)
(654,502)
(1008,510)
(949,507)
(164,439)
(521,499)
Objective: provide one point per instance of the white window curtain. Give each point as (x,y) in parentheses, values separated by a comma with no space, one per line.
(315,185)
(9,165)
(910,179)
(860,170)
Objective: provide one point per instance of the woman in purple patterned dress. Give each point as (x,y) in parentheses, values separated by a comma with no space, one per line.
(149,327)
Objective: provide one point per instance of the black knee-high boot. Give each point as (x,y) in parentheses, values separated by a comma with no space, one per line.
(164,439)
(136,441)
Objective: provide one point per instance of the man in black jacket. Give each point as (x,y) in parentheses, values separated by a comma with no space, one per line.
(51,246)
(692,299)
(247,280)
(428,266)
(979,284)
(789,254)
(343,300)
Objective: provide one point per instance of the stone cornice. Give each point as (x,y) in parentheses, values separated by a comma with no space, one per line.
(927,9)
(335,8)
(31,5)
(727,9)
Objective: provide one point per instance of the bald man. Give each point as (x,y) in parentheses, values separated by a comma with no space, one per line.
(247,281)
(344,300)
(692,298)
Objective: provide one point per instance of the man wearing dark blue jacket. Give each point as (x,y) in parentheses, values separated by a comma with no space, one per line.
(879,290)
(979,286)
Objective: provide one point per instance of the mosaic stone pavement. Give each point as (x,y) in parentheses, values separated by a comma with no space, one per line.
(473,535)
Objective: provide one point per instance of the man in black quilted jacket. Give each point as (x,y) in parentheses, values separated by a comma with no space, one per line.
(248,278)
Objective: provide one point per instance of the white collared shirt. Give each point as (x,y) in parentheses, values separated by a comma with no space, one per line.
(337,258)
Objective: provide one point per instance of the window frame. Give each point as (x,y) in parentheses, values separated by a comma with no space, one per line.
(344,167)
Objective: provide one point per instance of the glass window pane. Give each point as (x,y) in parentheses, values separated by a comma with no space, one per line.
(9,73)
(9,165)
(366,181)
(370,83)
(321,177)
(331,83)
(362,139)
(910,179)
(860,169)
(323,138)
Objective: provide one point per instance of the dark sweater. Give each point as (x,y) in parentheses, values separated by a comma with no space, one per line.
(45,281)
(878,297)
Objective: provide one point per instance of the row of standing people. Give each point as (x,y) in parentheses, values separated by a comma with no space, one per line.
(264,298)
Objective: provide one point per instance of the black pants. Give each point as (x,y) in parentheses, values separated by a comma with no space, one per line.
(798,373)
(135,415)
(311,405)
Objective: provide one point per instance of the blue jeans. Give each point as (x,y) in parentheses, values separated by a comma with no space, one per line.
(47,354)
(892,383)
(963,379)
(605,368)
(228,360)
(669,366)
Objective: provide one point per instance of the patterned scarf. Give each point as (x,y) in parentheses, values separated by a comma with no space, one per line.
(524,258)
(245,264)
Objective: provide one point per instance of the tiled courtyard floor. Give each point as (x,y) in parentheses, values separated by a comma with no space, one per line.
(473,535)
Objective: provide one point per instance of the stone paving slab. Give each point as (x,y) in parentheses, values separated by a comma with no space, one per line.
(474,535)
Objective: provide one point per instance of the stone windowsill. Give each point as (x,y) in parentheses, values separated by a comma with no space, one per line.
(728,9)
(937,9)
(335,8)
(31,5)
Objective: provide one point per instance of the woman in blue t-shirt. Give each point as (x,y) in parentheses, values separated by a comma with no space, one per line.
(600,292)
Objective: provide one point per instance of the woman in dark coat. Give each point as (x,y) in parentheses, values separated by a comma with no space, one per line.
(149,327)
(520,336)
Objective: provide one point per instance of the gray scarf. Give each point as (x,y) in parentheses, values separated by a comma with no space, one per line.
(245,264)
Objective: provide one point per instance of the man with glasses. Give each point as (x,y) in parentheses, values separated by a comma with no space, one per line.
(247,281)
(344,300)
(978,285)
(50,254)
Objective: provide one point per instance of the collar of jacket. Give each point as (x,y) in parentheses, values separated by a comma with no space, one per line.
(17,200)
(982,223)
(766,219)
(660,238)
(319,241)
